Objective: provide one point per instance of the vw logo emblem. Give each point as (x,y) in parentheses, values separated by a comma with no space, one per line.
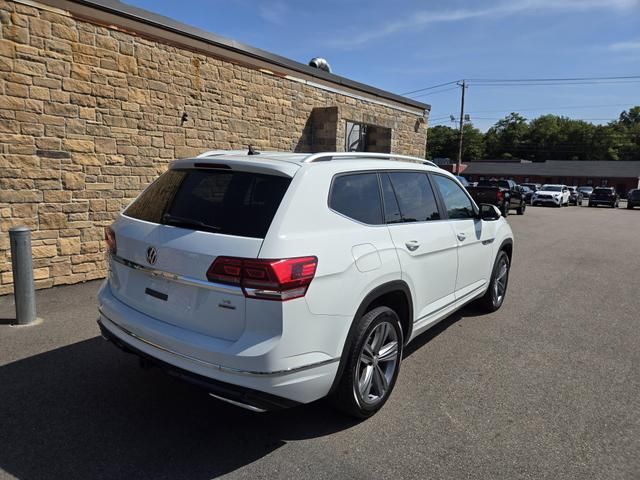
(152,255)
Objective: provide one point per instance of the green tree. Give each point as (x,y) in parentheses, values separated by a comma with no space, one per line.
(443,142)
(630,118)
(507,136)
(472,144)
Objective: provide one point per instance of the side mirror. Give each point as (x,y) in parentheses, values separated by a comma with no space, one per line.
(489,212)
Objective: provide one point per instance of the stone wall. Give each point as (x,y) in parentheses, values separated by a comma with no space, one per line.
(90,115)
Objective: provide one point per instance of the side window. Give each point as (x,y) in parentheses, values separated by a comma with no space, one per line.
(456,202)
(391,208)
(357,196)
(416,200)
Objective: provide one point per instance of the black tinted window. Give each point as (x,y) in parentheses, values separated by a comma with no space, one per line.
(415,198)
(154,201)
(233,203)
(357,196)
(456,202)
(391,208)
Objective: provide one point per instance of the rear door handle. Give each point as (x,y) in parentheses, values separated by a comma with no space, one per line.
(462,237)
(412,245)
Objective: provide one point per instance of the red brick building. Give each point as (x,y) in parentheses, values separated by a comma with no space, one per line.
(621,175)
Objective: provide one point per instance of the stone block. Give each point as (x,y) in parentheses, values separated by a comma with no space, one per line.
(45,251)
(76,145)
(105,145)
(73,181)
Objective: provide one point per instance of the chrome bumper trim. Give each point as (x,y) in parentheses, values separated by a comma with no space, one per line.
(174,277)
(216,366)
(239,404)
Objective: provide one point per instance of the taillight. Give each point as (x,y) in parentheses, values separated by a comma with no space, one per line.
(281,280)
(110,240)
(499,196)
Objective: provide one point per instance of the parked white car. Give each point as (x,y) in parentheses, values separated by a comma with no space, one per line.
(279,279)
(552,194)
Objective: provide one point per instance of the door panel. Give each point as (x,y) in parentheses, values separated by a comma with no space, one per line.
(428,258)
(425,244)
(475,246)
(473,236)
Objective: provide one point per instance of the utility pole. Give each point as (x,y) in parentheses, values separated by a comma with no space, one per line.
(458,167)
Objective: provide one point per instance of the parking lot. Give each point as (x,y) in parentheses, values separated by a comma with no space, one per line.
(547,387)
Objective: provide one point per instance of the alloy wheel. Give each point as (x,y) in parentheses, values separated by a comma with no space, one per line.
(378,361)
(500,282)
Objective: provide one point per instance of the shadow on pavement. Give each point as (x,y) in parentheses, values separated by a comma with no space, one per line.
(421,340)
(87,411)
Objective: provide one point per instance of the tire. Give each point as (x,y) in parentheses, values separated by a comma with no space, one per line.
(521,208)
(505,209)
(363,360)
(494,297)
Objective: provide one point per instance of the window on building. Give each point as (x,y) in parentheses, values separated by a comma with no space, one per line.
(356,137)
(604,182)
(362,137)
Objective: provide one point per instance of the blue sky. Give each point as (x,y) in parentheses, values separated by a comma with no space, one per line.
(402,46)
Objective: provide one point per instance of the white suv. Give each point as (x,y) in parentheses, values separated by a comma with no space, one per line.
(556,195)
(278,279)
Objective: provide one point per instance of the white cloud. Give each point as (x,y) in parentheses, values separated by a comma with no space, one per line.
(625,47)
(422,18)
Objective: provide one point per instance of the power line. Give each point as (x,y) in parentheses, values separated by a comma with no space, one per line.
(565,107)
(437,91)
(566,79)
(430,88)
(554,84)
(534,81)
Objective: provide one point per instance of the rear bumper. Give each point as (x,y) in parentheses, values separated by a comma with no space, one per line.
(595,201)
(301,379)
(249,398)
(544,201)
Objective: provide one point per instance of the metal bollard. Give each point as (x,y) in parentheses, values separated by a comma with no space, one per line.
(23,287)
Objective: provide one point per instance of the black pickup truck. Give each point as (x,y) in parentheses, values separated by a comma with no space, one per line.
(504,194)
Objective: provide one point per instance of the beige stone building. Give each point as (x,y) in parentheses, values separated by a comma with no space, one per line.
(93,97)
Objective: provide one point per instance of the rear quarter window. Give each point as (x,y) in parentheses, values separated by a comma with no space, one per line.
(357,196)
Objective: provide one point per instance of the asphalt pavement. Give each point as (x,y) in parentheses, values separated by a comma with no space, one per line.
(547,387)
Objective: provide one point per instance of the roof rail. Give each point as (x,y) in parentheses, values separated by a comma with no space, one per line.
(327,156)
(213,153)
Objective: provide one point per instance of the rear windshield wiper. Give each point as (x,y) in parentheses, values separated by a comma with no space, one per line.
(169,219)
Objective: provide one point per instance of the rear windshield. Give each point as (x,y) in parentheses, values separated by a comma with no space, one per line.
(634,194)
(605,191)
(228,202)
